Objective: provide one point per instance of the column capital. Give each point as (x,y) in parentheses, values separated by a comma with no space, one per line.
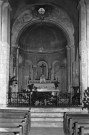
(34,66)
(87,2)
(15,46)
(82,2)
(6,4)
(68,47)
(1,2)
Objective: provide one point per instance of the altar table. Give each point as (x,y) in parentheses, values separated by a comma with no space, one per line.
(45,86)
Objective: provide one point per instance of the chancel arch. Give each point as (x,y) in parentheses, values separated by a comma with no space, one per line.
(55,16)
(46,40)
(27,18)
(42,40)
(55,69)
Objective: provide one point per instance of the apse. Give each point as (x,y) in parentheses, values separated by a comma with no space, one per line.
(43,37)
(42,47)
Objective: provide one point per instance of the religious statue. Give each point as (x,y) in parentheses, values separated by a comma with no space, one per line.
(30,87)
(42,79)
(13,84)
(56,84)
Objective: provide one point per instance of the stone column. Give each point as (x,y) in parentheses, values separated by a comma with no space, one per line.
(87,38)
(17,66)
(75,71)
(49,76)
(69,68)
(52,73)
(83,46)
(13,60)
(4,51)
(11,66)
(31,73)
(49,71)
(72,50)
(77,68)
(34,72)
(17,62)
(1,21)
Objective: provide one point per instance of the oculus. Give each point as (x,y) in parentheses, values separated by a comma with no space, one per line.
(41,11)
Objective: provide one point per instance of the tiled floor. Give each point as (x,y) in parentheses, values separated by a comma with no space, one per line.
(46,131)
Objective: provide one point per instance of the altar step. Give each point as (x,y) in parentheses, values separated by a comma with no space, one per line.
(49,117)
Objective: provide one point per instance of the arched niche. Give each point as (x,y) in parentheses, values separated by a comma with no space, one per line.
(27,72)
(55,70)
(58,17)
(59,73)
(42,69)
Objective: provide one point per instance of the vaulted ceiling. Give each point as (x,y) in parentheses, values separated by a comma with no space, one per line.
(69,6)
(43,38)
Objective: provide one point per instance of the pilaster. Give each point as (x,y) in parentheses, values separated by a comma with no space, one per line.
(11,66)
(34,71)
(69,68)
(4,52)
(83,46)
(1,2)
(87,38)
(17,66)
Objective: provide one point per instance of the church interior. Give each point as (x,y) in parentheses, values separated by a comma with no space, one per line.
(44,54)
(44,67)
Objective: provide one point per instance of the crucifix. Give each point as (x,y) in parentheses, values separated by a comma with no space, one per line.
(43,68)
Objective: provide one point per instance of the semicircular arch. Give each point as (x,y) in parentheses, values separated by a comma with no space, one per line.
(57,17)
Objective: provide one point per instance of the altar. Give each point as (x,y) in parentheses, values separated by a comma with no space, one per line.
(44,98)
(44,86)
(45,94)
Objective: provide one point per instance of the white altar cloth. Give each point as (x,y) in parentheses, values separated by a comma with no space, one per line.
(45,86)
(47,90)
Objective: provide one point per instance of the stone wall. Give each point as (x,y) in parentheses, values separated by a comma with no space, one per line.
(56,68)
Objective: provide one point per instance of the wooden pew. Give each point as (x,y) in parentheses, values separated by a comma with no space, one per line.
(11,117)
(83,131)
(68,115)
(17,130)
(72,115)
(70,118)
(74,120)
(17,112)
(9,123)
(77,126)
(8,133)
(14,110)
(65,121)
(19,121)
(16,117)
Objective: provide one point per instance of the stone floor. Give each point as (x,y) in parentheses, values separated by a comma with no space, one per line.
(46,131)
